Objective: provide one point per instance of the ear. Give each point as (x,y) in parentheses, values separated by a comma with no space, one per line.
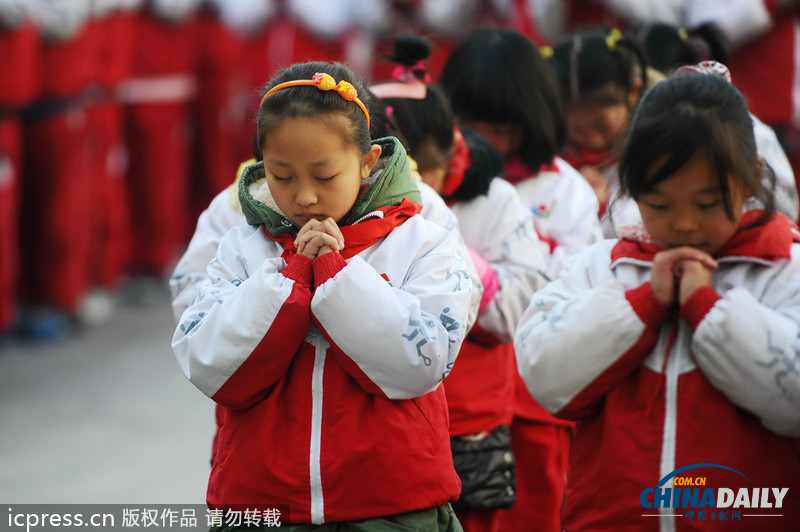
(635,93)
(369,160)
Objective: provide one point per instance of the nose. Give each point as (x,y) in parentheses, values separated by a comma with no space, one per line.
(305,195)
(684,222)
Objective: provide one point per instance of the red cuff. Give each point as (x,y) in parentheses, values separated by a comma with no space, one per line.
(695,308)
(647,306)
(326,266)
(298,269)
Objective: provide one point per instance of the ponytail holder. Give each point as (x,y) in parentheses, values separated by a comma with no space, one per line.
(546,51)
(324,82)
(613,38)
(683,35)
(408,74)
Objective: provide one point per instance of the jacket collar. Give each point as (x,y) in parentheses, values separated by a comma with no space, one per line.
(388,185)
(767,242)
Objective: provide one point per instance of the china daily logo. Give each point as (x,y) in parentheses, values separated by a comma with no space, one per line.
(690,496)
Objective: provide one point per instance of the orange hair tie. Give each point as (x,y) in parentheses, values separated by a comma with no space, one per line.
(324,82)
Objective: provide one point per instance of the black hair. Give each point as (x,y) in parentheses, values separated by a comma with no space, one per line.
(667,47)
(425,124)
(311,102)
(486,163)
(598,66)
(409,50)
(498,76)
(686,115)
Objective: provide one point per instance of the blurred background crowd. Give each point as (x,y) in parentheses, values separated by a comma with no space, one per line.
(121,119)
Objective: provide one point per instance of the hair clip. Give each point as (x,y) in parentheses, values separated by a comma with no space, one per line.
(546,51)
(613,38)
(324,82)
(408,74)
(713,68)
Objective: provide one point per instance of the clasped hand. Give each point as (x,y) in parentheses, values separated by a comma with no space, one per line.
(317,237)
(678,272)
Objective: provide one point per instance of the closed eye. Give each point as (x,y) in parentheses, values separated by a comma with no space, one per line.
(709,205)
(326,178)
(279,178)
(656,206)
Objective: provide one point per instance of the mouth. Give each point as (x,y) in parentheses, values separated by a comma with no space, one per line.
(309,216)
(700,245)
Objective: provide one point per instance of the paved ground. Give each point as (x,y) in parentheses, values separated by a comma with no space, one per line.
(105,417)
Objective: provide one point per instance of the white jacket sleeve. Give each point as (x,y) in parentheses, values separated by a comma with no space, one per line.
(190,272)
(244,329)
(61,20)
(646,11)
(14,12)
(175,11)
(499,228)
(435,210)
(328,20)
(739,20)
(749,348)
(245,16)
(770,149)
(404,338)
(581,335)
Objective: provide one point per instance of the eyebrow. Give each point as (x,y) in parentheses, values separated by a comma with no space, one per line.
(709,190)
(283,164)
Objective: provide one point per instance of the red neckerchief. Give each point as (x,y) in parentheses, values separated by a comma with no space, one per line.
(580,157)
(770,241)
(361,235)
(517,170)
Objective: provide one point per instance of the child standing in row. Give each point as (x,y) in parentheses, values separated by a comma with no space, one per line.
(331,320)
(499,84)
(499,232)
(601,75)
(676,345)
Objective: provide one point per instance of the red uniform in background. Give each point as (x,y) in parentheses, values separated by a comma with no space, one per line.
(56,218)
(114,34)
(157,101)
(19,84)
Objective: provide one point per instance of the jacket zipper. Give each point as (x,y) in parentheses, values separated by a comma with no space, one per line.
(317,499)
(671,374)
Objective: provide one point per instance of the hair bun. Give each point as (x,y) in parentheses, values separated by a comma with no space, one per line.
(411,49)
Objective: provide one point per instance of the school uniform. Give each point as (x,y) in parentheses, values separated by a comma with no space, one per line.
(500,234)
(329,369)
(157,101)
(56,216)
(114,28)
(654,390)
(565,216)
(19,84)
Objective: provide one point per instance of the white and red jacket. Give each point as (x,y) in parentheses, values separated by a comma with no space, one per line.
(224,213)
(331,387)
(499,231)
(564,210)
(654,391)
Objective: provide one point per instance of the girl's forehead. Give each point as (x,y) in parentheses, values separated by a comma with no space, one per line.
(696,176)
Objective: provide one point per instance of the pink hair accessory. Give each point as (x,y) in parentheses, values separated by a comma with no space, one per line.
(324,82)
(713,68)
(408,74)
